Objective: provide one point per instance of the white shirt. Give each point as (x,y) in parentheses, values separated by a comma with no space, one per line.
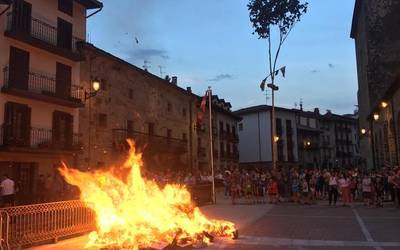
(332,181)
(343,183)
(7,187)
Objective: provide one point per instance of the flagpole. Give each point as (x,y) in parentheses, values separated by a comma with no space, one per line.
(211,143)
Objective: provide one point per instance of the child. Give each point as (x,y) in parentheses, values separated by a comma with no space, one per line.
(273,191)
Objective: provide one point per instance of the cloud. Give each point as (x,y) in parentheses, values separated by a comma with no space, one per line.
(330,65)
(221,77)
(145,54)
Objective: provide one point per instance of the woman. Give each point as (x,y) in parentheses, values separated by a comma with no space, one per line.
(295,188)
(344,185)
(366,189)
(332,189)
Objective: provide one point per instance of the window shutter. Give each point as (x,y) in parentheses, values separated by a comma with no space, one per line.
(19,68)
(27,125)
(56,128)
(7,126)
(22,16)
(69,133)
(64,34)
(63,80)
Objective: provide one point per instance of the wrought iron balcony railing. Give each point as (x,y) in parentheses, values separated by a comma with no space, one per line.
(37,138)
(44,32)
(43,85)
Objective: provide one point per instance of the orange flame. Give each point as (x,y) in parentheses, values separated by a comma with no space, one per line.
(137,213)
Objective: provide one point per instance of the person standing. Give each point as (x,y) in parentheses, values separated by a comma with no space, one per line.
(344,185)
(366,189)
(396,184)
(333,189)
(7,191)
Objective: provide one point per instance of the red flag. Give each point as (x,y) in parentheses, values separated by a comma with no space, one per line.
(203,104)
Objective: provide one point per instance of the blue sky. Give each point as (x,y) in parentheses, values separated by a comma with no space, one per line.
(210,42)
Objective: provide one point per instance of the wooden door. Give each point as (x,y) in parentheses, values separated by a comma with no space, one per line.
(64,34)
(17,125)
(19,68)
(63,80)
(62,130)
(22,17)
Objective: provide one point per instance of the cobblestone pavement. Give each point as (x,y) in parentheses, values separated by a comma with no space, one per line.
(295,227)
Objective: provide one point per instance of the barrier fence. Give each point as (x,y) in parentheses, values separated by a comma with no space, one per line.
(32,224)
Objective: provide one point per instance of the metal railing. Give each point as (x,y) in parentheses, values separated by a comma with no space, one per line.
(37,138)
(44,85)
(42,31)
(31,224)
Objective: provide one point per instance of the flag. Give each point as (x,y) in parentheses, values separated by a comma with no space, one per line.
(283,70)
(200,114)
(262,85)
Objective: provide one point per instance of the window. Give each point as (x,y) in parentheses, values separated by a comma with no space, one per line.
(221,127)
(228,128)
(184,136)
(62,129)
(240,126)
(169,133)
(103,85)
(65,6)
(233,130)
(151,128)
(184,112)
(102,120)
(169,107)
(130,94)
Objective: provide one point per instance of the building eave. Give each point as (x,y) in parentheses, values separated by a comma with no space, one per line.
(356,14)
(89,4)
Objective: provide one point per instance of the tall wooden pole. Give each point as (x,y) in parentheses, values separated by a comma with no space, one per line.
(209,92)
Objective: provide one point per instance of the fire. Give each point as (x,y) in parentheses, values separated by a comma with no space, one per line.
(133,212)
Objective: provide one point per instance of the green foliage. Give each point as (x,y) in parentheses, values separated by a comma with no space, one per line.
(281,13)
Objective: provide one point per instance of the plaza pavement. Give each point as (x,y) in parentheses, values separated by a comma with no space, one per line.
(295,227)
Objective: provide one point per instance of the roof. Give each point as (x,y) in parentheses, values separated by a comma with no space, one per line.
(260,108)
(161,80)
(89,4)
(356,14)
(144,72)
(332,116)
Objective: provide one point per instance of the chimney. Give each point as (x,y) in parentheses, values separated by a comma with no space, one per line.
(316,111)
(189,89)
(174,80)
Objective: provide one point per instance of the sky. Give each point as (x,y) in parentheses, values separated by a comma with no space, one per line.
(210,43)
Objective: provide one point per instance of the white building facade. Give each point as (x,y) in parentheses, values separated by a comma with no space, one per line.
(255,137)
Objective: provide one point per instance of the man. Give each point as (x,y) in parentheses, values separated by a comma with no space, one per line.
(7,191)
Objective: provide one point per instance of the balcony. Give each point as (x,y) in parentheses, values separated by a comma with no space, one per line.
(43,88)
(37,140)
(234,138)
(44,36)
(152,143)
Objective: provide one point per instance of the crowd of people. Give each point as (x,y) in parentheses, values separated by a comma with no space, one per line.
(307,186)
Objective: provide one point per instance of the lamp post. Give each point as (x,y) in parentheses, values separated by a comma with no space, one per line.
(273,88)
(88,95)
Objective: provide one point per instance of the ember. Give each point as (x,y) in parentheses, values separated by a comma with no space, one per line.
(135,213)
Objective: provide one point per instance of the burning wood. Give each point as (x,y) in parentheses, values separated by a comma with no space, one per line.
(135,213)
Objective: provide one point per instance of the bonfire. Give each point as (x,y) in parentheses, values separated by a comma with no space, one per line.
(135,213)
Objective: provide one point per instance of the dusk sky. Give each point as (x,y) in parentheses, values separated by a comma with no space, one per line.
(210,42)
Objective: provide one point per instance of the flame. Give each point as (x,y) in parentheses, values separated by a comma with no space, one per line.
(135,213)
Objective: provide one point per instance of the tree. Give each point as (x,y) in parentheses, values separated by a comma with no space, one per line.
(282,15)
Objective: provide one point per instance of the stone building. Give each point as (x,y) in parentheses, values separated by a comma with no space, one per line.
(225,137)
(40,97)
(158,114)
(375,31)
(255,137)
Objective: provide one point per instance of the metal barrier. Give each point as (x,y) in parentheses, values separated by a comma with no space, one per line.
(27,225)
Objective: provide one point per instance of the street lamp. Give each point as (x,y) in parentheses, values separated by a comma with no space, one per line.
(363,131)
(276,138)
(376,116)
(273,88)
(384,104)
(95,87)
